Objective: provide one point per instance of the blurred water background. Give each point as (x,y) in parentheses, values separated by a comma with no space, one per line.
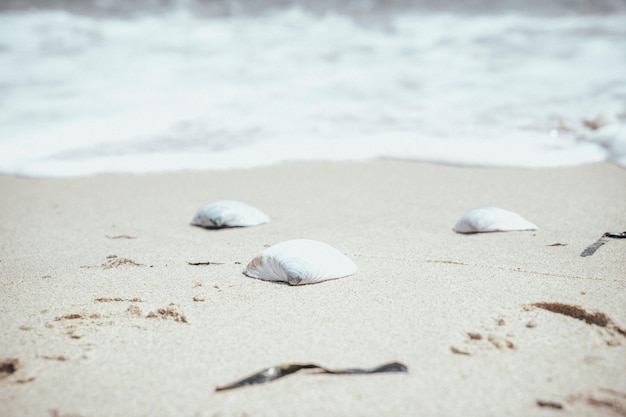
(90,86)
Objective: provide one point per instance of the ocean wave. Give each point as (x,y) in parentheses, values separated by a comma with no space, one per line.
(179,90)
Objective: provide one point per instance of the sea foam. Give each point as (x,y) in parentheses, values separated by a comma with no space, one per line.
(174,90)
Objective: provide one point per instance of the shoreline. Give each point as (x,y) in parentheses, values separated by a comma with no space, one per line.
(155,335)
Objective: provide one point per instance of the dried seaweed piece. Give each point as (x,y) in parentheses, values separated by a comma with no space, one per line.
(598,318)
(549,404)
(205,263)
(280,371)
(591,249)
(579,313)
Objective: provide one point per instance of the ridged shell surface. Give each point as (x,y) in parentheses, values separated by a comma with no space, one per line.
(228,213)
(299,262)
(491,219)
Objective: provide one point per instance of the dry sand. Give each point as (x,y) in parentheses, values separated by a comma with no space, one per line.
(83,333)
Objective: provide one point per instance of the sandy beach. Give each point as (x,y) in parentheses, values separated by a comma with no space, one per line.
(101,313)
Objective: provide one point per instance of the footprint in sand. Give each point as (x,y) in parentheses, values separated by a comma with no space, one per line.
(500,335)
(492,336)
(79,325)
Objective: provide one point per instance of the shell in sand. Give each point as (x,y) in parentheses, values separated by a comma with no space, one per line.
(491,219)
(299,262)
(228,213)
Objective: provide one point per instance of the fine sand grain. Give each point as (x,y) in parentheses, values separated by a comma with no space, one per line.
(112,304)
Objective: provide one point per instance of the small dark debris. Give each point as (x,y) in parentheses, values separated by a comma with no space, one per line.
(121,237)
(458,351)
(25,381)
(276,372)
(205,263)
(59,358)
(474,336)
(69,317)
(8,367)
(550,404)
(117,299)
(558,244)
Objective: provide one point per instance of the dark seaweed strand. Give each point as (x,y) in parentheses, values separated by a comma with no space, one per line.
(267,375)
(591,249)
(275,372)
(388,367)
(616,235)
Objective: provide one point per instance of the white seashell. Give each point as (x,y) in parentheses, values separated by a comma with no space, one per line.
(299,262)
(228,213)
(491,219)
